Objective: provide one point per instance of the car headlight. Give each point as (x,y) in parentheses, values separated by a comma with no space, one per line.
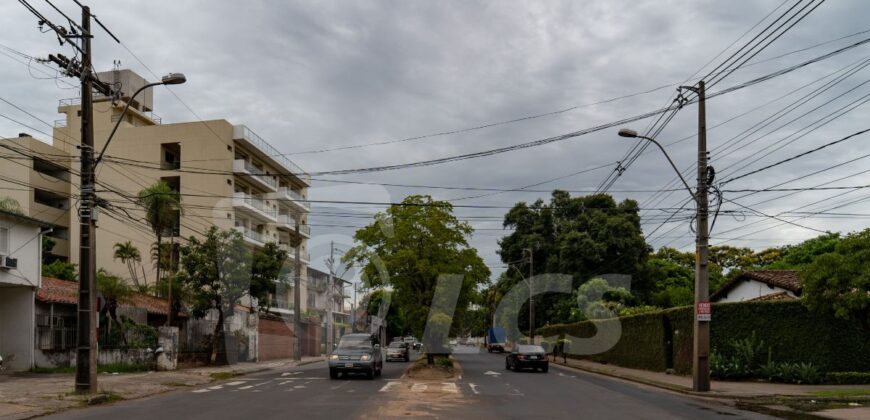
(366,357)
(333,357)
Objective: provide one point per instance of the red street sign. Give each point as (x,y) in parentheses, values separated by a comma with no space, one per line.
(704,311)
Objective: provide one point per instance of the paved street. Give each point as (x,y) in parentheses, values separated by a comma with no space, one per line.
(485,391)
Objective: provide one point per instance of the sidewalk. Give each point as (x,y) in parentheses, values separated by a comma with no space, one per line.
(29,395)
(747,390)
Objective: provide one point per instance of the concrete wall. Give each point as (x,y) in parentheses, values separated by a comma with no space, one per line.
(67,358)
(17,327)
(751,289)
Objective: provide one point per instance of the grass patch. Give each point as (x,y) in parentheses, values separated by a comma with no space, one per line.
(843,393)
(222,376)
(174,384)
(110,368)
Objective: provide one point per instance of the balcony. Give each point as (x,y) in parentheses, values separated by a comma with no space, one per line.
(246,169)
(252,237)
(287,195)
(61,123)
(288,223)
(291,252)
(267,151)
(254,207)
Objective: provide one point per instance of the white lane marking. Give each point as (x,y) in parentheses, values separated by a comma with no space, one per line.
(290,373)
(418,387)
(449,387)
(491,373)
(262,383)
(246,387)
(235,383)
(474,388)
(517,392)
(286,382)
(386,387)
(216,387)
(199,391)
(306,382)
(299,386)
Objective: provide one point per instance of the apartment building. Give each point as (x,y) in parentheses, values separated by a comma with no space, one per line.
(228,176)
(324,297)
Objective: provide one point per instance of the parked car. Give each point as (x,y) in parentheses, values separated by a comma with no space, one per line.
(356,353)
(527,357)
(398,350)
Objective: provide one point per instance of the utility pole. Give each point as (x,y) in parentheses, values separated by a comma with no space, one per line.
(297,297)
(701,346)
(329,299)
(86,343)
(531,297)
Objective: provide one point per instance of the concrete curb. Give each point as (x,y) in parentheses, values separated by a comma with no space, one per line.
(687,391)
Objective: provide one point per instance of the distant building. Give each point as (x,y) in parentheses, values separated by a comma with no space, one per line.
(228,177)
(757,285)
(20,278)
(324,297)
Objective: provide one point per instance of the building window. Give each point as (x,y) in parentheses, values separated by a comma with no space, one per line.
(4,240)
(170,156)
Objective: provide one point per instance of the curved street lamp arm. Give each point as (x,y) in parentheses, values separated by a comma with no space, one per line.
(686,184)
(121,118)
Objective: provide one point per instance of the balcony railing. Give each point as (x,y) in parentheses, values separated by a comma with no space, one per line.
(256,203)
(61,123)
(257,173)
(269,150)
(294,196)
(250,234)
(70,102)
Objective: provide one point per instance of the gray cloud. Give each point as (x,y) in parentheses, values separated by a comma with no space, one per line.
(319,74)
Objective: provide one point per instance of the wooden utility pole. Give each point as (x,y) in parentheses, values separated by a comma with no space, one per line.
(701,346)
(86,343)
(297,297)
(531,297)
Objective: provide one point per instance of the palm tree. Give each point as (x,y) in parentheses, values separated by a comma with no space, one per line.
(129,254)
(162,206)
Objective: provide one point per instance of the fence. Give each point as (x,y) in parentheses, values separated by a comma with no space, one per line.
(55,333)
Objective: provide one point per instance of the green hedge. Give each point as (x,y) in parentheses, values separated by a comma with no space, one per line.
(656,341)
(643,331)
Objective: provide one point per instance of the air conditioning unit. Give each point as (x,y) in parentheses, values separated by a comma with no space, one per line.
(8,262)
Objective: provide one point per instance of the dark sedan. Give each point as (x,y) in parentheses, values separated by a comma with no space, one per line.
(356,353)
(527,357)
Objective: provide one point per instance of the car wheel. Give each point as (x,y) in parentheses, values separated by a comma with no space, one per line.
(507,365)
(333,374)
(371,373)
(488,349)
(545,369)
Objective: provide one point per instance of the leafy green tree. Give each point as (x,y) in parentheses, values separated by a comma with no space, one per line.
(61,270)
(583,237)
(408,247)
(162,206)
(267,273)
(396,323)
(217,270)
(47,246)
(804,253)
(838,282)
(129,255)
(114,291)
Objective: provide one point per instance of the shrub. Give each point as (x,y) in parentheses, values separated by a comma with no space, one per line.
(847,378)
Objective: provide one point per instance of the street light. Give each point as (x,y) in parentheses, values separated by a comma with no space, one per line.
(701,324)
(169,79)
(624,132)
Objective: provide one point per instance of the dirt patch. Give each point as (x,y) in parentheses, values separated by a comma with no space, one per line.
(444,368)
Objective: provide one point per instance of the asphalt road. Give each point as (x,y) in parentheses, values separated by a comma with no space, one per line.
(485,391)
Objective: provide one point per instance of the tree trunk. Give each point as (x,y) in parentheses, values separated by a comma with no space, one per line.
(159,252)
(218,345)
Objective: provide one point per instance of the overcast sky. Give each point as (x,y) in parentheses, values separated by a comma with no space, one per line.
(312,75)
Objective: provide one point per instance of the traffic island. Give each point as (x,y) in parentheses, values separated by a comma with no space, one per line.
(423,391)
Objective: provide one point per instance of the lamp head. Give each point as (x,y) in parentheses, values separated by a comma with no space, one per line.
(173,79)
(624,132)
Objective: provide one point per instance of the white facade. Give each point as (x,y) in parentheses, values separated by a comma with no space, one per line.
(751,289)
(20,239)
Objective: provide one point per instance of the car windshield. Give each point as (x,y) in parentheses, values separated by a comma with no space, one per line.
(362,342)
(396,345)
(530,349)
